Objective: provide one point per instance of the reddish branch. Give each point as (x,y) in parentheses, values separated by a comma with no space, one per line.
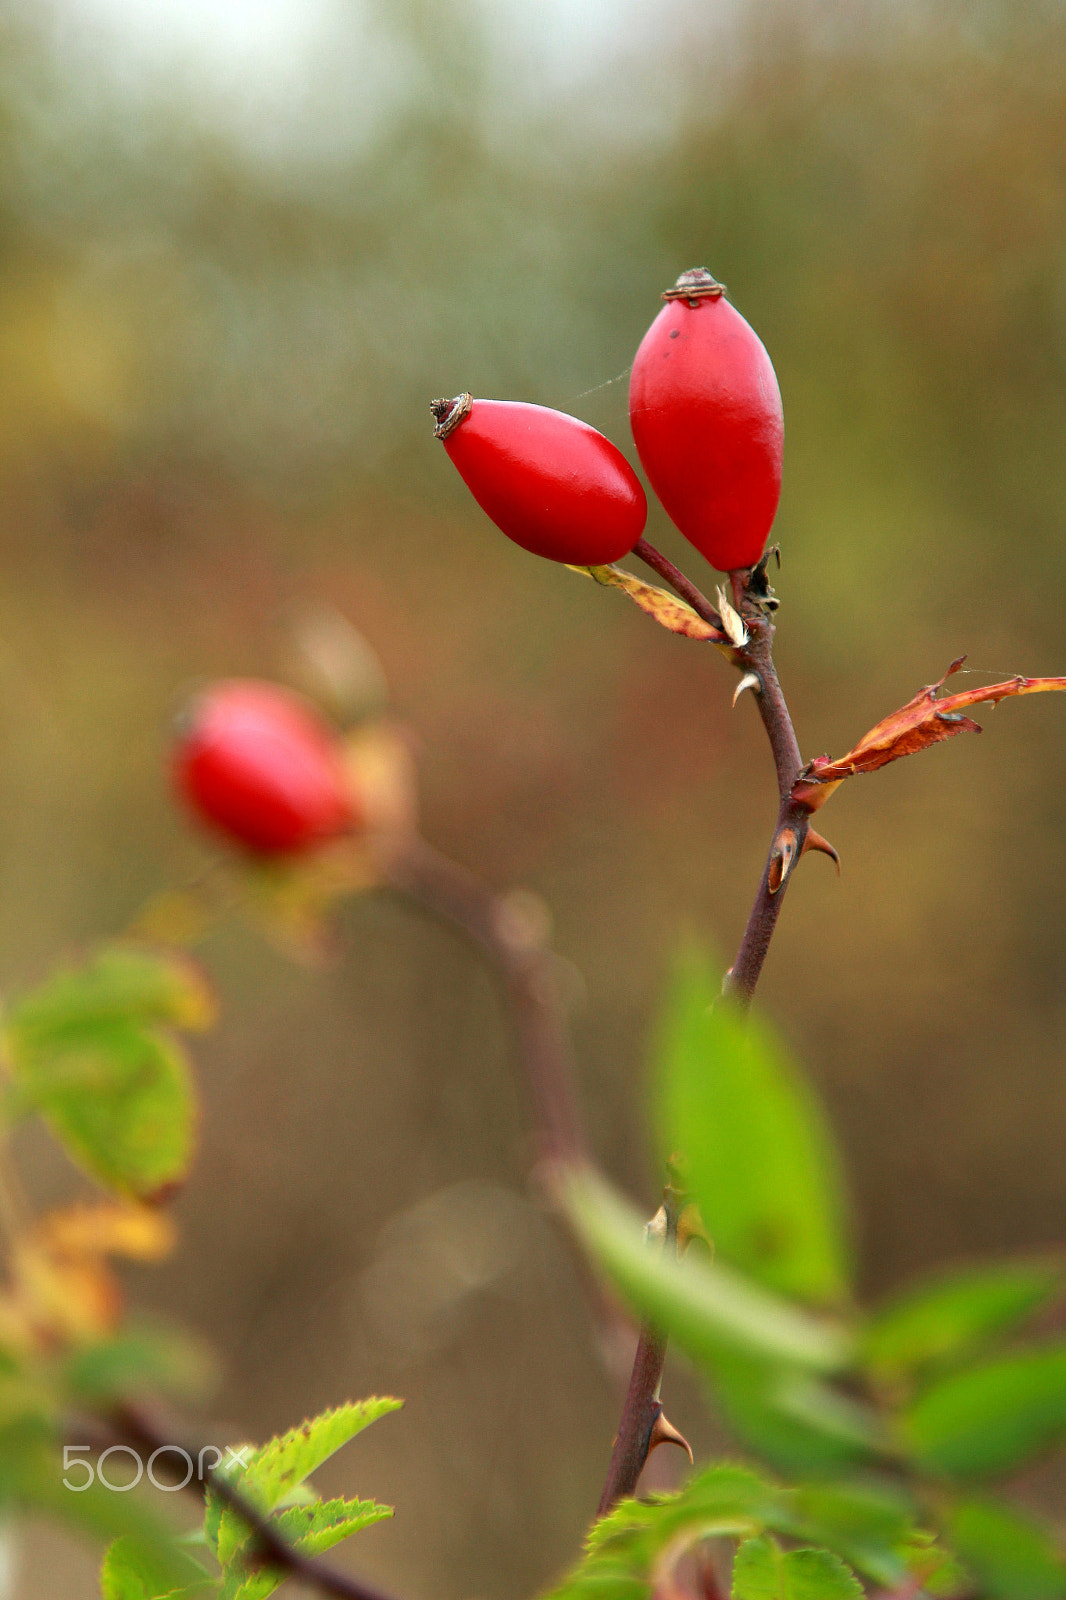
(642,1406)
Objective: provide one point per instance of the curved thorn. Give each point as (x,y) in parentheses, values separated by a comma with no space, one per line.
(814,841)
(664,1432)
(750,680)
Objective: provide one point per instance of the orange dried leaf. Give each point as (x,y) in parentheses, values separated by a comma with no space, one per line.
(923,721)
(667,609)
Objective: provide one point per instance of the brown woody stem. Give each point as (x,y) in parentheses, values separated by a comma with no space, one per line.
(792,819)
(678,582)
(642,1404)
(642,1407)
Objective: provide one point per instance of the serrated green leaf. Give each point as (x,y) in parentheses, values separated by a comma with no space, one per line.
(119,983)
(278,1467)
(724,1501)
(763,1571)
(119,1099)
(310,1529)
(318,1527)
(757,1153)
(132,1572)
(1013,1557)
(702,1305)
(870,1525)
(992,1417)
(239,1584)
(947,1320)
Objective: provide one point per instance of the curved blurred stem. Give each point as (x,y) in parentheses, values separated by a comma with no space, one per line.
(526,969)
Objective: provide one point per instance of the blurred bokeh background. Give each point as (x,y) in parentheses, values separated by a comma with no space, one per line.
(241,248)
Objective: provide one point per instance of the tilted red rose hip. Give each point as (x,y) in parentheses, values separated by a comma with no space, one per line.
(548,481)
(256,762)
(706,415)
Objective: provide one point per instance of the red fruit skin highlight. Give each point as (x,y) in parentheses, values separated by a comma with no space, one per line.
(548,481)
(705,409)
(255,762)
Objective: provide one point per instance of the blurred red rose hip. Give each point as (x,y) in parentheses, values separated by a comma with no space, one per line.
(256,762)
(548,481)
(705,409)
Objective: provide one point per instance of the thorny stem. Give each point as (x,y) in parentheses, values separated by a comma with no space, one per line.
(634,1430)
(643,1407)
(792,819)
(271,1550)
(525,966)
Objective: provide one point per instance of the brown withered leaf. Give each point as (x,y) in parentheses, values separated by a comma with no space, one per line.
(923,721)
(667,609)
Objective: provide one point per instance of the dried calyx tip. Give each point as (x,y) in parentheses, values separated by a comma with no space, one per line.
(449,413)
(695,285)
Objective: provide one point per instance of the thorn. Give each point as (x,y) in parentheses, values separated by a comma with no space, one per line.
(750,680)
(782,858)
(664,1432)
(814,841)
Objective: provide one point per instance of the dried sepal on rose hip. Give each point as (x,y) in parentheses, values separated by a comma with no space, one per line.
(705,409)
(258,763)
(548,481)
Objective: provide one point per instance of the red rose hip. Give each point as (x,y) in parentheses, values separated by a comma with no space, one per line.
(256,762)
(706,415)
(548,481)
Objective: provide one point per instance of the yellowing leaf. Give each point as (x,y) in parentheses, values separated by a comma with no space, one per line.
(140,1232)
(666,608)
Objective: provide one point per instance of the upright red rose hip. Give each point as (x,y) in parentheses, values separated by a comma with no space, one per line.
(548,481)
(706,415)
(256,762)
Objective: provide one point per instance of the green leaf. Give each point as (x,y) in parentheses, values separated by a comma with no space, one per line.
(278,1467)
(139,1359)
(132,1572)
(37,1476)
(799,1425)
(757,1153)
(310,1529)
(942,1322)
(992,1417)
(119,983)
(763,1571)
(622,1549)
(119,1098)
(318,1527)
(703,1305)
(870,1524)
(1012,1556)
